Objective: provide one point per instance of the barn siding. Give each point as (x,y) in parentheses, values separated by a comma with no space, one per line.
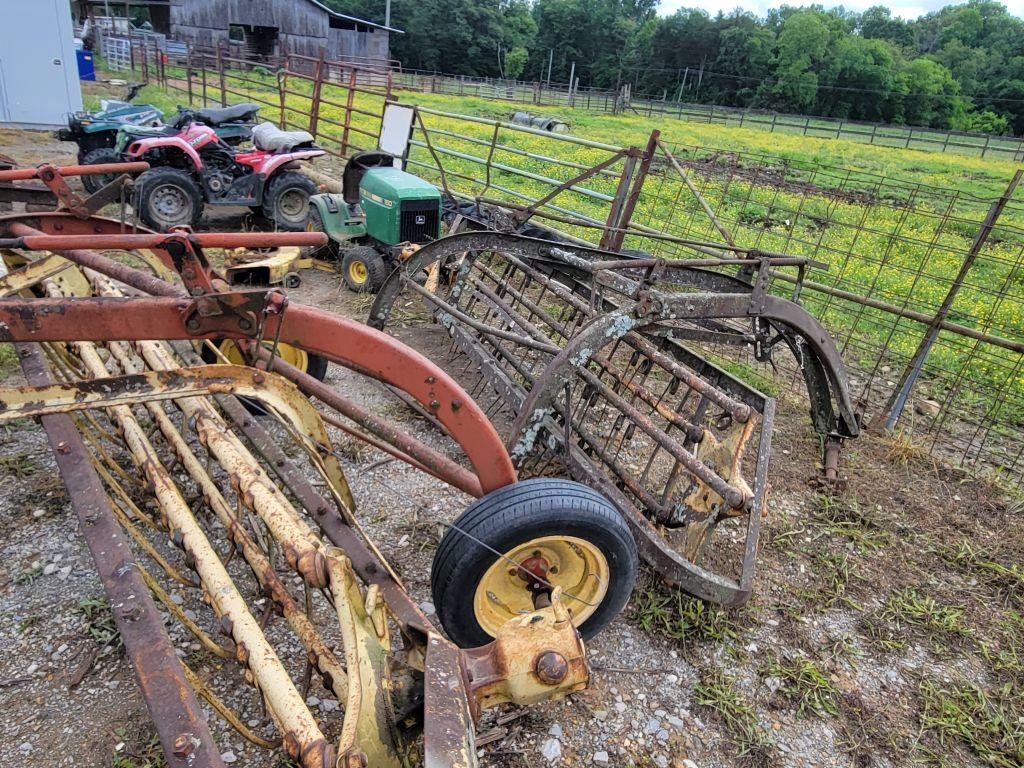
(369,44)
(303,28)
(291,17)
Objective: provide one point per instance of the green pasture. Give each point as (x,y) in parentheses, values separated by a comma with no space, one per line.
(899,239)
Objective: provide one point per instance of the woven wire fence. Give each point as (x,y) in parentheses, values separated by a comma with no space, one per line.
(889,254)
(887,251)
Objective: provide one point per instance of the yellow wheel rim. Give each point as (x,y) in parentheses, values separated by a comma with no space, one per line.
(291,355)
(575,565)
(358,273)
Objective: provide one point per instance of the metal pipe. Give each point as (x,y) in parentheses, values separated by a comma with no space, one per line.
(25,174)
(284,702)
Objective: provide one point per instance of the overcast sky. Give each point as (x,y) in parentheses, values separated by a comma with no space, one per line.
(909,9)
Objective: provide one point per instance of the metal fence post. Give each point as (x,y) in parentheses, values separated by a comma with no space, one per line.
(348,111)
(626,214)
(314,101)
(608,236)
(887,419)
(220,72)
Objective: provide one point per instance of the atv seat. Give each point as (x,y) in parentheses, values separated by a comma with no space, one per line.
(238,113)
(270,138)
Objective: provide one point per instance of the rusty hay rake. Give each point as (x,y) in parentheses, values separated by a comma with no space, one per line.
(155,447)
(599,361)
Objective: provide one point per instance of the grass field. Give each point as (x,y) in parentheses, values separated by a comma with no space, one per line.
(893,224)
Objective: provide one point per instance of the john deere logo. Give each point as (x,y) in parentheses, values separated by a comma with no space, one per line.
(421,219)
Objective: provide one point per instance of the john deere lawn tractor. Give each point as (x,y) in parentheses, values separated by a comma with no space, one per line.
(380,218)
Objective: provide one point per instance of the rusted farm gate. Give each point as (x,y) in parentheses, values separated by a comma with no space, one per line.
(982,438)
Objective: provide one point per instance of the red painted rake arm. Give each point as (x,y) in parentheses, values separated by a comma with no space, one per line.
(339,339)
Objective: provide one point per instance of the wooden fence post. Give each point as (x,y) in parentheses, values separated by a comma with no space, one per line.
(203,71)
(188,71)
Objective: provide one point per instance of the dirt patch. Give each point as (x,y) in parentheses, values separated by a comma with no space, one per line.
(729,165)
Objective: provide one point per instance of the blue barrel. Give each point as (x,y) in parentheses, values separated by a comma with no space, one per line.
(86,66)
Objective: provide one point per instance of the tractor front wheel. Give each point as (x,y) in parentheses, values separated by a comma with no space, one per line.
(168,198)
(286,200)
(364,269)
(315,223)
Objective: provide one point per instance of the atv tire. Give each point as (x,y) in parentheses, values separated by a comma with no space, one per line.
(286,200)
(166,198)
(95,183)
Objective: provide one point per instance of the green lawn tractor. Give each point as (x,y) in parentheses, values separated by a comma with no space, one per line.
(378,220)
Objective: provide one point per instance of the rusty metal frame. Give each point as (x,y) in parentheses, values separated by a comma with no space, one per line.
(531,359)
(82,307)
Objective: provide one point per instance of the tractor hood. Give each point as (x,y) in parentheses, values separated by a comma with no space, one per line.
(393,185)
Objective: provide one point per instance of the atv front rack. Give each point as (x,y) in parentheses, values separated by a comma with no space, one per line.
(153,447)
(595,358)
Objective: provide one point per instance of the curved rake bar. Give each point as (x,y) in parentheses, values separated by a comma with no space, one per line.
(217,313)
(823,370)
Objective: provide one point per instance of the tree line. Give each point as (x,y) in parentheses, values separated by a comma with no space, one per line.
(960,68)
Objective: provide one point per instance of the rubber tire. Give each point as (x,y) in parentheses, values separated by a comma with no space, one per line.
(510,516)
(315,223)
(153,178)
(279,184)
(316,367)
(94,184)
(376,269)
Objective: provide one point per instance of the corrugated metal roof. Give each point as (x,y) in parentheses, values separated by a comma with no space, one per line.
(337,15)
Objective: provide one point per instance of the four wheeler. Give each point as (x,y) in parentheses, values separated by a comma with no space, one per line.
(93,131)
(377,220)
(196,167)
(233,126)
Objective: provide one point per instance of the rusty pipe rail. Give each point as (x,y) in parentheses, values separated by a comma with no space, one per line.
(27,174)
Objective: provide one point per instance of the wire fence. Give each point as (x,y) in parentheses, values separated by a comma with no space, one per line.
(887,254)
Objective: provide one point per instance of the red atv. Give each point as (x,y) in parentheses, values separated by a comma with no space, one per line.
(195,166)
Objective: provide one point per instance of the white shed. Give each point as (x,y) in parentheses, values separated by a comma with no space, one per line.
(38,65)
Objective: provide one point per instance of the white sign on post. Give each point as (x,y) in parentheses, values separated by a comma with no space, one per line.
(396,132)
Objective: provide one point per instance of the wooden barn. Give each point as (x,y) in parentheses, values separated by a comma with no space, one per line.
(270,28)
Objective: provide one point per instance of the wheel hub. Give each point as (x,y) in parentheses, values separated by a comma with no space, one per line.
(170,202)
(522,579)
(358,272)
(292,203)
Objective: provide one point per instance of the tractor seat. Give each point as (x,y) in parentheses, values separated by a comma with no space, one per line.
(237,113)
(270,138)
